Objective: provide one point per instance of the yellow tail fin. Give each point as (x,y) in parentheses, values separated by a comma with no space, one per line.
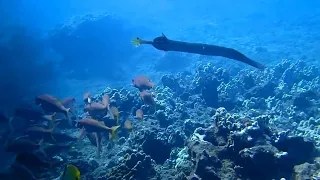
(113,132)
(136,42)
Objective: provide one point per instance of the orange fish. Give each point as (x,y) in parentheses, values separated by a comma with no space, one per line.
(139,114)
(128,125)
(34,115)
(92,125)
(96,127)
(52,104)
(38,131)
(142,83)
(147,98)
(21,145)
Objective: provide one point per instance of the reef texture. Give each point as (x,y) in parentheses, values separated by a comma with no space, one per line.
(255,125)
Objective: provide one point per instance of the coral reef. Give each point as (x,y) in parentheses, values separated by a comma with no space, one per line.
(224,126)
(249,125)
(133,166)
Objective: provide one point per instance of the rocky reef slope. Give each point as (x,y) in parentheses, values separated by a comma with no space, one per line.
(212,125)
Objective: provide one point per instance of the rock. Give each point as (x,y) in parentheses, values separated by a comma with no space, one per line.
(307,171)
(171,82)
(134,166)
(258,162)
(299,149)
(163,119)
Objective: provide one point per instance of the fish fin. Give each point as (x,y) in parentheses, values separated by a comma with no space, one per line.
(106,116)
(51,131)
(52,119)
(77,124)
(136,42)
(83,133)
(110,113)
(68,117)
(164,35)
(53,116)
(41,147)
(113,132)
(72,112)
(57,120)
(21,137)
(54,127)
(105,100)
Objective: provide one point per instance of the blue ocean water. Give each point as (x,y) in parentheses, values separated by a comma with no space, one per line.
(66,48)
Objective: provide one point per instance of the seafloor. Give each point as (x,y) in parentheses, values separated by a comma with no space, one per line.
(254,125)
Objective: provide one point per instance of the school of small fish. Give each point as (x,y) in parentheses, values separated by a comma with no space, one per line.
(31,128)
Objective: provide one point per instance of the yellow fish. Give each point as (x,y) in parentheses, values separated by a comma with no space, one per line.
(70,172)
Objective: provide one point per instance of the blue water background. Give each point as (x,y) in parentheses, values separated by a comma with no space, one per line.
(266,31)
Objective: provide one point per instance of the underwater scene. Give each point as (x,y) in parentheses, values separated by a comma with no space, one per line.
(160,90)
